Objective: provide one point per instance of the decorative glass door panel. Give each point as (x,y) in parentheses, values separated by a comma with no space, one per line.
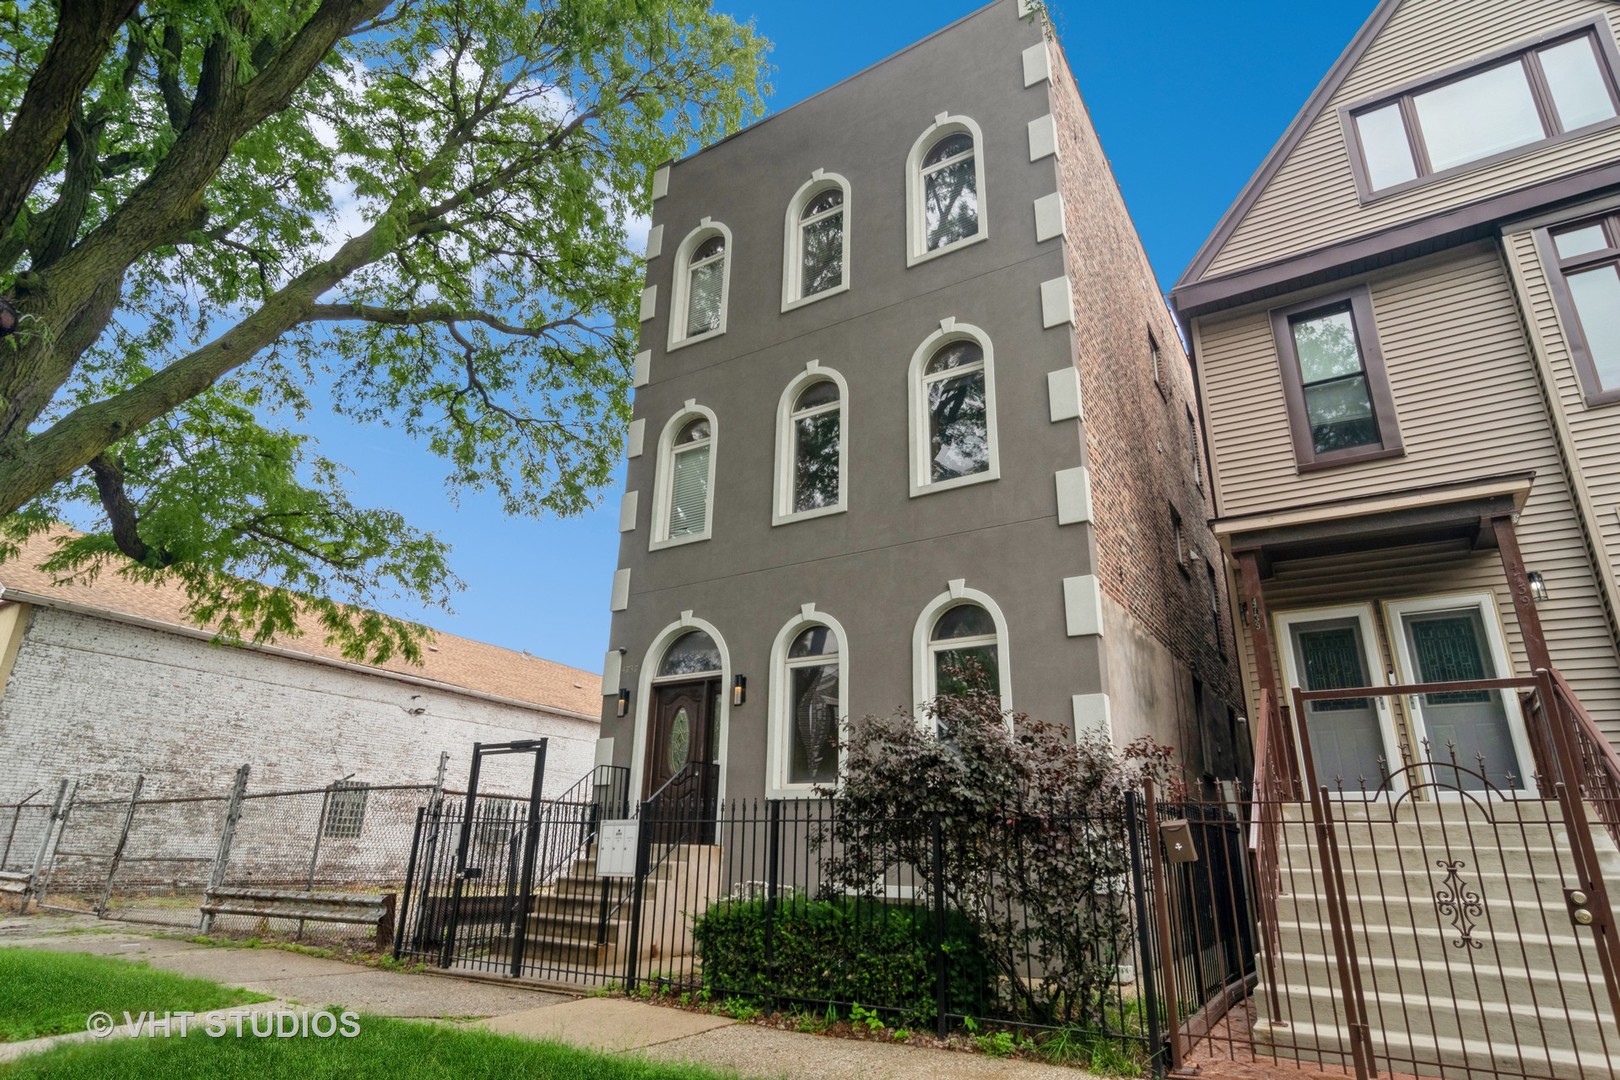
(1348,737)
(1479,729)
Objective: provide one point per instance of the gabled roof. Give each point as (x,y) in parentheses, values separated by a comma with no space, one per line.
(454,662)
(1290,139)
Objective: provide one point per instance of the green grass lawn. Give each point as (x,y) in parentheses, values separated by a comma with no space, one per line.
(49,993)
(383,1050)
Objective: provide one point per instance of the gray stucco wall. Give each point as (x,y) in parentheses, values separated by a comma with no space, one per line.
(876,566)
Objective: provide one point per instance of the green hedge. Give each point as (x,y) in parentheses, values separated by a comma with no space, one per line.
(864,952)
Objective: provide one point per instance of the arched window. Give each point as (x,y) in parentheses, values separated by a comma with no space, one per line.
(811,451)
(964,638)
(816,252)
(808,705)
(702,285)
(953,410)
(945,188)
(685,478)
(693,653)
(960,628)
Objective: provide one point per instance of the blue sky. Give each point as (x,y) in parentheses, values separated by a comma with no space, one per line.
(1188,98)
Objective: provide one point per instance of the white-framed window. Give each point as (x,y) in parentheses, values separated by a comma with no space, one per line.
(953,409)
(958,625)
(702,285)
(809,705)
(815,250)
(812,446)
(684,485)
(945,199)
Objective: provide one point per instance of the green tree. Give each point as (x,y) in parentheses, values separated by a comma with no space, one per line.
(413,212)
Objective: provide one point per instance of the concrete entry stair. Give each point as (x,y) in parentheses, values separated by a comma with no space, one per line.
(1469,961)
(566,930)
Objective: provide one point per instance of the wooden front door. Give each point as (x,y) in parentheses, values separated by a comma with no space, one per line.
(685,719)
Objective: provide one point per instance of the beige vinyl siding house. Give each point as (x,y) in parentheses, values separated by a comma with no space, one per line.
(1312,200)
(1406,340)
(1466,371)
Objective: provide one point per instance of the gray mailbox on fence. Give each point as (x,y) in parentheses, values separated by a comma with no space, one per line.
(616,848)
(1178,841)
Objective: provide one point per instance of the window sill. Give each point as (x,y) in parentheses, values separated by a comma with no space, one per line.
(1601,398)
(992,473)
(797,791)
(1350,459)
(806,515)
(677,541)
(914,257)
(681,343)
(805,301)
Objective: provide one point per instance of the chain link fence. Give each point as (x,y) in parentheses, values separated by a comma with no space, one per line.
(231,860)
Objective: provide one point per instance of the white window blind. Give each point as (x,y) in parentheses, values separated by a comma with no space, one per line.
(689,494)
(703,313)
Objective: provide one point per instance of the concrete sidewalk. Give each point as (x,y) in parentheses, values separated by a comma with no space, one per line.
(612,1025)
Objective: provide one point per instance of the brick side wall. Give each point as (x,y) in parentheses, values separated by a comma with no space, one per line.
(99,701)
(1136,429)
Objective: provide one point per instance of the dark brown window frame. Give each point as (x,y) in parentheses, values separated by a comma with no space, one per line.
(1586,373)
(1359,302)
(1608,53)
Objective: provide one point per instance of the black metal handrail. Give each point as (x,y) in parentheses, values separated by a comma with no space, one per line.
(654,813)
(584,794)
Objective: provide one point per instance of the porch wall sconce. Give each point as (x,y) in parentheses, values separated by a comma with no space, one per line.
(1538,586)
(739,690)
(623,708)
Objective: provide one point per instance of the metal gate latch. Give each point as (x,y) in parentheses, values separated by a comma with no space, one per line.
(1578,910)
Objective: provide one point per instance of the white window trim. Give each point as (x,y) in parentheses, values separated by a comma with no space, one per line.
(1363,613)
(782,511)
(916,230)
(949,330)
(1496,636)
(922,651)
(681,286)
(793,240)
(664,478)
(777,754)
(643,700)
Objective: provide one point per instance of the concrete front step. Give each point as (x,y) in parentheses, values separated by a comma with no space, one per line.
(1451,809)
(1505,979)
(1450,1010)
(1505,917)
(1449,1056)
(1433,943)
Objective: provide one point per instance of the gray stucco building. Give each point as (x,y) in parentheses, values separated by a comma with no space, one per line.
(908,389)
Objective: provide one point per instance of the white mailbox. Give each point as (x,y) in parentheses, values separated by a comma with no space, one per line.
(616,848)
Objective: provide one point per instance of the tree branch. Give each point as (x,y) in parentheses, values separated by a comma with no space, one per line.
(84,32)
(115,501)
(432,313)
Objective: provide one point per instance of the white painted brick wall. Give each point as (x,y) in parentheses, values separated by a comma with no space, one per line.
(100,701)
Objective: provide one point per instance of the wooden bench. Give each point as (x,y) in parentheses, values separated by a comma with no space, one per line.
(14,881)
(355,908)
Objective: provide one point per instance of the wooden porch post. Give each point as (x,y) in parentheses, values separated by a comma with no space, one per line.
(1524,604)
(1259,621)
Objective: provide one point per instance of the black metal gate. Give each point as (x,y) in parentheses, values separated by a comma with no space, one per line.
(499,883)
(470,879)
